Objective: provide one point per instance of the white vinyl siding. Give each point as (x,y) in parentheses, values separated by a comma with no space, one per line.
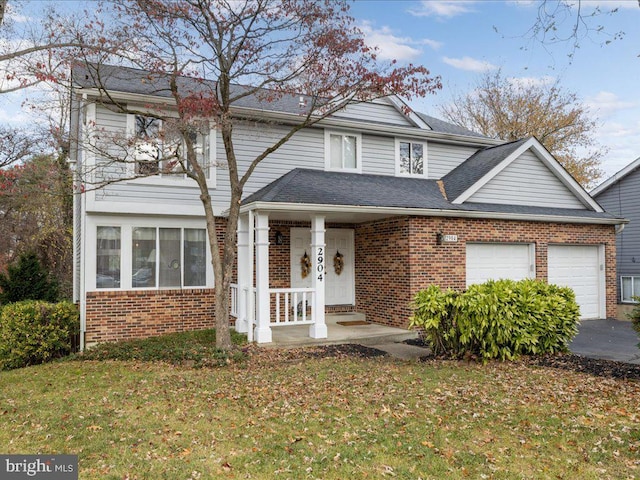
(494,261)
(443,158)
(527,181)
(374,112)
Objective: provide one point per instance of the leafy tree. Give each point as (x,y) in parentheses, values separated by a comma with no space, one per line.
(501,108)
(36,215)
(27,279)
(231,51)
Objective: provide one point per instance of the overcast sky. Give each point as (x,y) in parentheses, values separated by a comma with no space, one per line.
(461,40)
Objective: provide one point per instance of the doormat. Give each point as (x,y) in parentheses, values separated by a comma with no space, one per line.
(353,323)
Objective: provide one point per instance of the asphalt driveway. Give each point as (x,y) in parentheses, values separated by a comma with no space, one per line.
(607,339)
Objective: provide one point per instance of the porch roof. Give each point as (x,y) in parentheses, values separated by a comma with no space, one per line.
(362,197)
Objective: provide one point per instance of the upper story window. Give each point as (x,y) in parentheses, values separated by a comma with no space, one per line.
(343,151)
(148,149)
(162,152)
(410,158)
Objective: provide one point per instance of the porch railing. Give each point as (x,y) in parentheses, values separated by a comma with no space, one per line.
(291,306)
(233,311)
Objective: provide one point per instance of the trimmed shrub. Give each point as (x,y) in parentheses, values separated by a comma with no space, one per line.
(634,316)
(497,319)
(33,332)
(27,279)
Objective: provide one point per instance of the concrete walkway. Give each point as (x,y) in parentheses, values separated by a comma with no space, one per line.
(608,339)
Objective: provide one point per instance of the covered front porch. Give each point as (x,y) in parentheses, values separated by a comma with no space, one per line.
(279,299)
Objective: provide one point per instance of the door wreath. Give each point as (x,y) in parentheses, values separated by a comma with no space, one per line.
(338,262)
(305,263)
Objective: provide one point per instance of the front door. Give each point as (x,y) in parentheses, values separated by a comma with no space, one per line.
(340,286)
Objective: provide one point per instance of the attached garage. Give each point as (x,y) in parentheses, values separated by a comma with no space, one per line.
(579,267)
(486,261)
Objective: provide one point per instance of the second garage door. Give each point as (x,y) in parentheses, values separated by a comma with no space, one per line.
(487,261)
(578,267)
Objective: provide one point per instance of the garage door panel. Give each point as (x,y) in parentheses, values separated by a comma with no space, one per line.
(578,267)
(487,261)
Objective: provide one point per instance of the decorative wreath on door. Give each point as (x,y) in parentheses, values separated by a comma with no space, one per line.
(305,263)
(338,262)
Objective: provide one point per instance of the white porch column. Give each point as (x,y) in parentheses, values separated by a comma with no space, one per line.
(319,328)
(242,324)
(263,304)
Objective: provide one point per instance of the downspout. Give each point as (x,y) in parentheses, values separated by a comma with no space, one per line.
(620,228)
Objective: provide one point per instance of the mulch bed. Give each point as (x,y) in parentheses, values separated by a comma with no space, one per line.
(576,363)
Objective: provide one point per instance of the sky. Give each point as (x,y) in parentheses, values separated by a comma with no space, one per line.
(461,40)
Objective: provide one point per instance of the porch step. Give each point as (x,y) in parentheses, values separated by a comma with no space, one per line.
(345,317)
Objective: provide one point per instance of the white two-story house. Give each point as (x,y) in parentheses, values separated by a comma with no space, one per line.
(392,201)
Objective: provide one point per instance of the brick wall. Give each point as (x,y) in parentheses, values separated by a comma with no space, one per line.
(400,256)
(123,315)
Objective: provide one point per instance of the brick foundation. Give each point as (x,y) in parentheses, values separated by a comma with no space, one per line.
(123,315)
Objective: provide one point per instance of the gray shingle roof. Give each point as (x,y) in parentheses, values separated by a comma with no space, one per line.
(317,187)
(337,188)
(132,80)
(476,166)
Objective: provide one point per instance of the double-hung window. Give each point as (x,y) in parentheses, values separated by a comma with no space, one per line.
(148,148)
(168,257)
(411,158)
(629,288)
(160,150)
(343,151)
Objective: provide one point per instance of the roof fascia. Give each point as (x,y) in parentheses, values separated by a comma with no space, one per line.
(292,118)
(425,212)
(616,177)
(542,153)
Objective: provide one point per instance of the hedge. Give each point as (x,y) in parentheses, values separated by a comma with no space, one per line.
(497,319)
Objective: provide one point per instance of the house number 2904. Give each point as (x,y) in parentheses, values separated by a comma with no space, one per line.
(320,267)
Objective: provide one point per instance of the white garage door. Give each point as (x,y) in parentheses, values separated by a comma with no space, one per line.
(499,260)
(578,267)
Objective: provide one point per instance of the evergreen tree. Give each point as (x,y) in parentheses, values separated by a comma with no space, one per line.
(26,279)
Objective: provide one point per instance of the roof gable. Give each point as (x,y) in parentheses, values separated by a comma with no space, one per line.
(616,177)
(481,168)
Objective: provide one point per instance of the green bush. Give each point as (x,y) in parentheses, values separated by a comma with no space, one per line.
(33,332)
(497,319)
(27,279)
(634,316)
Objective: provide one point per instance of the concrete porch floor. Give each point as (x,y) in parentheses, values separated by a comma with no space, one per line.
(370,334)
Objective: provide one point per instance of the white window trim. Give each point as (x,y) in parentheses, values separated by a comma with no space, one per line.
(424,158)
(126,250)
(633,279)
(327,151)
(172,180)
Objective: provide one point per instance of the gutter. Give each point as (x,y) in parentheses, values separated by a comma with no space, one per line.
(423,212)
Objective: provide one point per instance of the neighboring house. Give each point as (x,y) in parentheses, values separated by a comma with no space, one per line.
(390,202)
(620,195)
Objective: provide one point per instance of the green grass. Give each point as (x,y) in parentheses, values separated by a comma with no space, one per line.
(279,415)
(195,348)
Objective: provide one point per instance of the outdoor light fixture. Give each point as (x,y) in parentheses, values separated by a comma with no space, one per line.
(439,238)
(279,237)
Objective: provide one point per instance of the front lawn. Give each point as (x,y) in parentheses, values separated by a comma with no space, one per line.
(295,414)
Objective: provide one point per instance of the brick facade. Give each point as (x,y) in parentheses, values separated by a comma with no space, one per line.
(401,256)
(394,258)
(129,314)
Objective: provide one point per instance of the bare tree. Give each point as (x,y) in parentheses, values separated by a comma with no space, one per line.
(509,110)
(210,57)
